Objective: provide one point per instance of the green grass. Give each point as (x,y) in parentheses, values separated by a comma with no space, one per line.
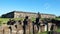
(42,33)
(58,30)
(3,20)
(57,18)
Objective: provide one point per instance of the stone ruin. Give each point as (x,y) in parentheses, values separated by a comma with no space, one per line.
(30,28)
(25,27)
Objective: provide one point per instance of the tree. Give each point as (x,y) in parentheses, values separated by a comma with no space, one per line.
(58,16)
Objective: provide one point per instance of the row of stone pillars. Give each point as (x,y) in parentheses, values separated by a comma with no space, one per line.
(29,29)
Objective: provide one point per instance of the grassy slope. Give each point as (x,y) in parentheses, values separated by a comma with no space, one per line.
(57,18)
(58,30)
(4,20)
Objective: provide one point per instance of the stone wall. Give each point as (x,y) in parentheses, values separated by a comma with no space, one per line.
(22,15)
(16,14)
(47,16)
(31,15)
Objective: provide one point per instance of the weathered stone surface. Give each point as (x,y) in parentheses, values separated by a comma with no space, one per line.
(35,29)
(1,31)
(20,32)
(18,14)
(20,29)
(29,28)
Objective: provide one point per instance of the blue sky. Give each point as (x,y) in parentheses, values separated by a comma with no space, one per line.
(42,6)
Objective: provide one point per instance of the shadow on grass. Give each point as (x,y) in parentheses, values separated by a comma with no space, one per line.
(58,30)
(42,33)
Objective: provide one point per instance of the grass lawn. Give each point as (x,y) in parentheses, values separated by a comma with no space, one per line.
(4,20)
(58,30)
(57,18)
(43,33)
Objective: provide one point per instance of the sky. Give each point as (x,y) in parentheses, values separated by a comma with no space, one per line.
(42,6)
